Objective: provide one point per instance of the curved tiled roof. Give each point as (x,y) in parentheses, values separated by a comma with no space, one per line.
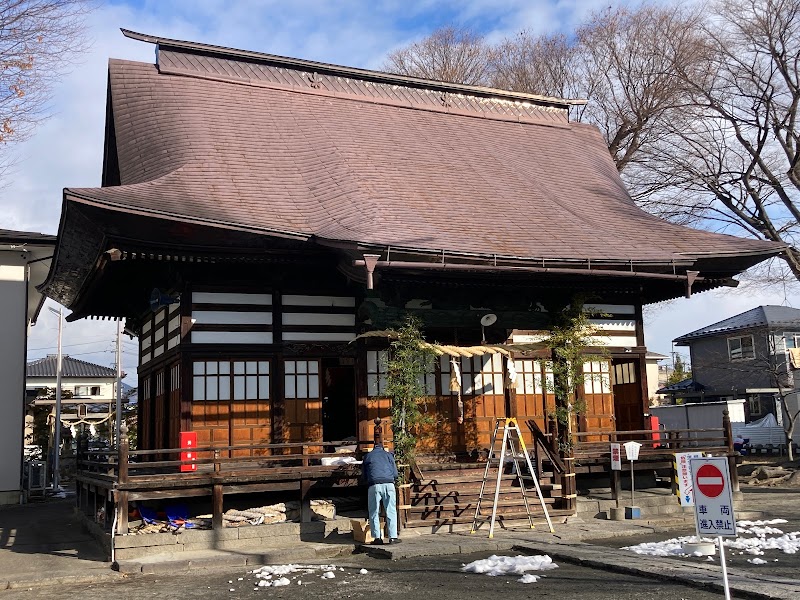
(70,367)
(306,164)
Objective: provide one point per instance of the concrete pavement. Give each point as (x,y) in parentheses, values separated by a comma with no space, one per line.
(44,543)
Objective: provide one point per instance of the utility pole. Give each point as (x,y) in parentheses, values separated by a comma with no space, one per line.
(119,384)
(57,433)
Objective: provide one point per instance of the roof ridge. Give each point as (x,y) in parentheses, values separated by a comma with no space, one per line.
(445,108)
(360,73)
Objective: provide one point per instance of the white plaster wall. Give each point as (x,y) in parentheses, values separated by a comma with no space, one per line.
(651,368)
(70,383)
(13,324)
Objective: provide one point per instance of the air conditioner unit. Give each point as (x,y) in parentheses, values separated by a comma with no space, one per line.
(35,475)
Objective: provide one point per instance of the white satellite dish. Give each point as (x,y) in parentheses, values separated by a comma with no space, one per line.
(486,321)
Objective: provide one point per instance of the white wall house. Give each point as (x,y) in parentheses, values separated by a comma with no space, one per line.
(653,382)
(24,263)
(88,384)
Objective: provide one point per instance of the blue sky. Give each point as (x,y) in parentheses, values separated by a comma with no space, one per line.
(67,149)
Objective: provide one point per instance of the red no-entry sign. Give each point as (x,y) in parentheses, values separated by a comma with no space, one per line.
(710,481)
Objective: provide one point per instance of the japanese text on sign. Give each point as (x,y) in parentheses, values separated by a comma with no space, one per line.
(616,458)
(683,475)
(713,497)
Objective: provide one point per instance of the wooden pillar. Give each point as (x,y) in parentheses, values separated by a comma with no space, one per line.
(80,458)
(305,501)
(569,489)
(216,496)
(552,429)
(728,433)
(280,434)
(403,497)
(122,479)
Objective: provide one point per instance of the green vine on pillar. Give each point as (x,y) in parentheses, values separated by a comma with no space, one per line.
(407,366)
(570,340)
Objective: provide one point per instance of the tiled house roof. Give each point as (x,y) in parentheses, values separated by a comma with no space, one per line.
(761,316)
(9,236)
(70,367)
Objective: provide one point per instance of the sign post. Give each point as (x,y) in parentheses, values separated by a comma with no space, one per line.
(632,454)
(684,487)
(713,504)
(616,457)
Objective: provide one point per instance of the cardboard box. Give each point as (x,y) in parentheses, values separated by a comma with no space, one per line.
(361,532)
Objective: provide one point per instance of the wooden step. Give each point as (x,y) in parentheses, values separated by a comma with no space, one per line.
(474,491)
(486,504)
(458,481)
(500,519)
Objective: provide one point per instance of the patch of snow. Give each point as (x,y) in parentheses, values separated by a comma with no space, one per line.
(766,538)
(528,578)
(280,582)
(328,575)
(510,565)
(760,523)
(756,561)
(363,572)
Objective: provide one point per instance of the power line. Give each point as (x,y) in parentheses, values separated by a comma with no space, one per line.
(99,340)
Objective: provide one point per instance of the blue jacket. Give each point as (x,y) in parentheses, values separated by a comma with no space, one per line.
(378,467)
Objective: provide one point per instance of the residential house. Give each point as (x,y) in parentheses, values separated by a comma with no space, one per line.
(258,213)
(91,389)
(746,356)
(24,262)
(654,375)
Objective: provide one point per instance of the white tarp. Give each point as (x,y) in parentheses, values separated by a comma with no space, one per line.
(764,431)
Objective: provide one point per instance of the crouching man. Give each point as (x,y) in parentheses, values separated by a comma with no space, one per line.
(379,472)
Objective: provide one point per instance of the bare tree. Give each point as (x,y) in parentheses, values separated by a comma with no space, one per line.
(733,161)
(622,60)
(449,54)
(39,39)
(548,65)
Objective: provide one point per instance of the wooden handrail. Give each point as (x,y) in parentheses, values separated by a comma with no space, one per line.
(647,432)
(540,438)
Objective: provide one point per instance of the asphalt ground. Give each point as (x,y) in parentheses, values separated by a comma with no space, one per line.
(407,579)
(773,504)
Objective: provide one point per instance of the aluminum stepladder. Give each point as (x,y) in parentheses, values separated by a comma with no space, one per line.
(511,440)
